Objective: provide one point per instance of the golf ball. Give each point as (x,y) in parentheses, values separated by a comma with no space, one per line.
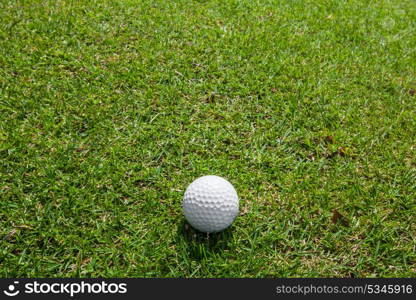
(210,204)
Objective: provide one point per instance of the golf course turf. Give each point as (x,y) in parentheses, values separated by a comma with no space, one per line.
(110,109)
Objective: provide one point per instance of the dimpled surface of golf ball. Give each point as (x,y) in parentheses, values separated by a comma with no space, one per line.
(210,204)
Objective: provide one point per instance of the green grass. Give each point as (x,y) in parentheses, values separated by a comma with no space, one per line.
(109,109)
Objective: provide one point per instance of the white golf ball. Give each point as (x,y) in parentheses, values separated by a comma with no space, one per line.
(210,204)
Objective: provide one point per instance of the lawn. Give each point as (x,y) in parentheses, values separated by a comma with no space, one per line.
(109,109)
